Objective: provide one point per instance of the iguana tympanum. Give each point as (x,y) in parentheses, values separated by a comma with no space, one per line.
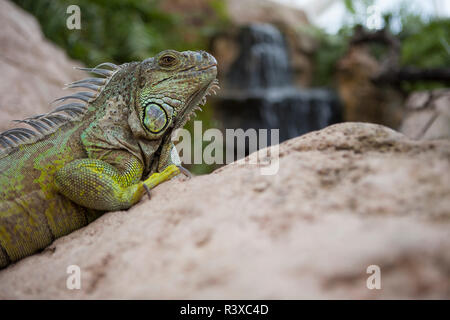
(82,159)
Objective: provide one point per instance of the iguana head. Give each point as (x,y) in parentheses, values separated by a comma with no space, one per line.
(148,98)
(171,86)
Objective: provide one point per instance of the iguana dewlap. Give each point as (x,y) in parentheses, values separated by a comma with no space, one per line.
(83,159)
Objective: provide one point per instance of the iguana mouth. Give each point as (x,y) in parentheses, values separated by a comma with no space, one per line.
(187,70)
(208,67)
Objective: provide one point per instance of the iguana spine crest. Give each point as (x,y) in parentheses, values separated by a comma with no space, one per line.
(47,123)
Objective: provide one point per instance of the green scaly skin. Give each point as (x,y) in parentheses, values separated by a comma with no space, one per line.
(105,158)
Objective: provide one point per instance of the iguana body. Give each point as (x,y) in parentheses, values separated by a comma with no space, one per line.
(84,159)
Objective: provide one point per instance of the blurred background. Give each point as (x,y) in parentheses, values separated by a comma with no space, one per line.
(296,65)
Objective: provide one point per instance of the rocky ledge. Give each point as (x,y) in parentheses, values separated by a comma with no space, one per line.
(345,198)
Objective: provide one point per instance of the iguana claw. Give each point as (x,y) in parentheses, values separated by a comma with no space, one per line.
(185,172)
(147,190)
(159,177)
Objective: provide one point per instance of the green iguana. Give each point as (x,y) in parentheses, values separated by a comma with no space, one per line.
(83,159)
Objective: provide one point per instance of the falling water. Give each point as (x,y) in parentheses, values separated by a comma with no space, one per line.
(259,91)
(263,61)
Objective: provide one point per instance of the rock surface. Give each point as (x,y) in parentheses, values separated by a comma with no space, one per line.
(428,115)
(346,197)
(32,70)
(364,101)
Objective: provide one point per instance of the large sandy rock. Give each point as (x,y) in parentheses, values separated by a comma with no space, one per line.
(32,70)
(346,197)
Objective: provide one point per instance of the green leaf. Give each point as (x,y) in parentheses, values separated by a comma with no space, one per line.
(349,6)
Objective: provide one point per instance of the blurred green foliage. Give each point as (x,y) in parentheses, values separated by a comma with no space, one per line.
(424,42)
(123,30)
(128,30)
(331,47)
(425,45)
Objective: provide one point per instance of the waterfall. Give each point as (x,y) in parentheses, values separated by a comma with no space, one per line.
(259,91)
(263,61)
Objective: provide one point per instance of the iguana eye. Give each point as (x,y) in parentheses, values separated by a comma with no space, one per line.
(167,60)
(155,118)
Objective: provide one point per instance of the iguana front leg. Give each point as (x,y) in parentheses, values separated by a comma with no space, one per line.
(169,156)
(98,185)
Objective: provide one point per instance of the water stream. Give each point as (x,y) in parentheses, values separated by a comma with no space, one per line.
(259,91)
